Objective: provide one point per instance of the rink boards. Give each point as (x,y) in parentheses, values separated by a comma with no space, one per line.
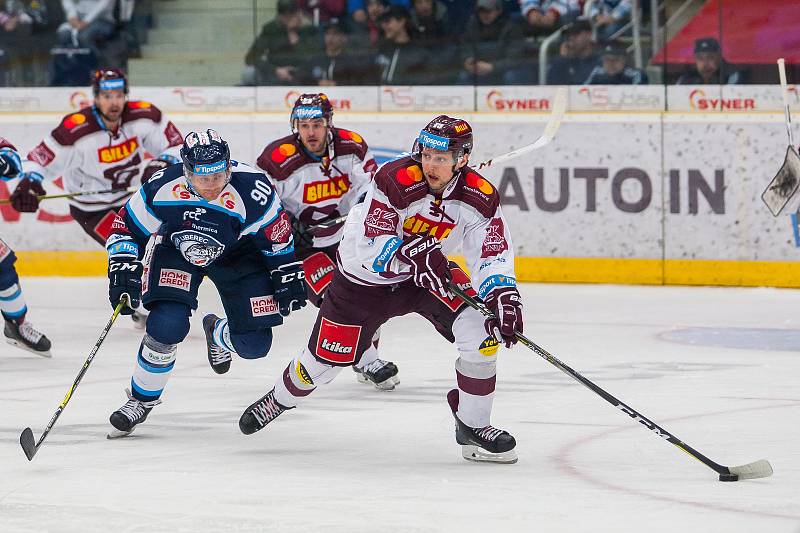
(626,193)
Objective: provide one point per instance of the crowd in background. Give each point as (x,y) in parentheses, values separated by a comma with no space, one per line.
(358,42)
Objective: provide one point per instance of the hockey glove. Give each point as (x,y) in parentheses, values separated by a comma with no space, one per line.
(288,281)
(506,304)
(153,166)
(25,197)
(10,165)
(125,278)
(303,237)
(429,266)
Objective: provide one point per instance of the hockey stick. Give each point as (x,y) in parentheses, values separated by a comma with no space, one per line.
(26,439)
(556,116)
(786,182)
(757,469)
(74,194)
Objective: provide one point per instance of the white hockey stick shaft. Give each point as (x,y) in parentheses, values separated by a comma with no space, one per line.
(785,95)
(550,130)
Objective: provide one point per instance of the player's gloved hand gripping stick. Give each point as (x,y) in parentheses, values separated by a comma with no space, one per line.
(757,469)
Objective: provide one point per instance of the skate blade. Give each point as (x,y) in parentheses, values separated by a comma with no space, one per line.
(389,384)
(117,434)
(22,346)
(479,455)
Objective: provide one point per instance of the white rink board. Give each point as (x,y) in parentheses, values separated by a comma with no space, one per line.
(620,175)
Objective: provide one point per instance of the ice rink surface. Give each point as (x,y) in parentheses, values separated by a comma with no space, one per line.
(717,367)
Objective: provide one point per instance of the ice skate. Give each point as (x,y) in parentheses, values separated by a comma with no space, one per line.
(261,413)
(126,418)
(25,336)
(486,444)
(218,357)
(382,374)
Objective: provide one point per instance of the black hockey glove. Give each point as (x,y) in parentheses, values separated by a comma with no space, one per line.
(125,278)
(506,304)
(303,237)
(428,264)
(288,281)
(25,197)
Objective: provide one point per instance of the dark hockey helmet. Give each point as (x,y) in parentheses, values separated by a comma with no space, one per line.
(109,79)
(205,153)
(311,105)
(446,134)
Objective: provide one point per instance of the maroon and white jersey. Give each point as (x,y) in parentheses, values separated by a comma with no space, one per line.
(91,158)
(467,216)
(312,188)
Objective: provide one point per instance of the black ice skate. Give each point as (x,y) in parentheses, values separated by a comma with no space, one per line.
(126,418)
(218,357)
(26,337)
(261,413)
(487,444)
(383,374)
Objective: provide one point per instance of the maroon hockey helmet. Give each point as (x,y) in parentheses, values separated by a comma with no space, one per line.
(311,105)
(109,79)
(446,134)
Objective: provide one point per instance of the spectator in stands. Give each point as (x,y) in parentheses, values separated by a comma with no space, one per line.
(609,16)
(430,21)
(368,33)
(709,67)
(459,13)
(279,53)
(340,64)
(489,46)
(321,11)
(90,23)
(27,32)
(613,69)
(357,10)
(543,17)
(578,57)
(401,58)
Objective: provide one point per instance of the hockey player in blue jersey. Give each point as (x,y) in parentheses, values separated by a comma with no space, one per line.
(17,331)
(209,217)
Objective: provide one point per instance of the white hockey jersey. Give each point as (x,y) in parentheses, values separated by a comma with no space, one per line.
(89,157)
(313,189)
(467,216)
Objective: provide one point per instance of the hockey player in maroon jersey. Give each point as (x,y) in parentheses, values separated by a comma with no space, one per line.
(17,330)
(100,148)
(320,172)
(391,262)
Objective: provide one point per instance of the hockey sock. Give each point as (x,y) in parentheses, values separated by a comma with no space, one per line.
(301,377)
(371,353)
(222,335)
(476,382)
(12,304)
(154,365)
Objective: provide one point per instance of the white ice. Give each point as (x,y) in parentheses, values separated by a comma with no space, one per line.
(716,367)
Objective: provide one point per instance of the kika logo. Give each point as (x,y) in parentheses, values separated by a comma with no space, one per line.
(336,347)
(118,152)
(496,101)
(418,224)
(228,200)
(321,273)
(340,104)
(698,101)
(337,342)
(181,192)
(409,175)
(319,191)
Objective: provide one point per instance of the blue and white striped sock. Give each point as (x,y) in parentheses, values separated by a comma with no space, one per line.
(154,364)
(222,335)
(12,304)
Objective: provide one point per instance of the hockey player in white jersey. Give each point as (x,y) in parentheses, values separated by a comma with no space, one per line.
(100,148)
(17,330)
(391,262)
(320,172)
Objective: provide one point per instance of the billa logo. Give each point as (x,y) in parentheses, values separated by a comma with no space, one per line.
(340,104)
(319,191)
(228,200)
(180,192)
(496,101)
(418,224)
(118,152)
(461,127)
(698,101)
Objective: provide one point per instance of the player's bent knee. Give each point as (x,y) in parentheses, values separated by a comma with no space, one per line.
(472,341)
(168,322)
(252,344)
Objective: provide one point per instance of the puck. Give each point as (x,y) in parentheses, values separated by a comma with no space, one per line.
(729,477)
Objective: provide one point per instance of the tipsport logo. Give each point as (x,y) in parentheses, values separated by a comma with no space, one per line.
(433,141)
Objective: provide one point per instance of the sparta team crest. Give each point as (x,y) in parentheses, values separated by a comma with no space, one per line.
(197,248)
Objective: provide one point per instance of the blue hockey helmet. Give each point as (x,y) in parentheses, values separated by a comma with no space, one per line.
(205,153)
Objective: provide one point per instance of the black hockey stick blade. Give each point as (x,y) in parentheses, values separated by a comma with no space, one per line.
(784,185)
(28,443)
